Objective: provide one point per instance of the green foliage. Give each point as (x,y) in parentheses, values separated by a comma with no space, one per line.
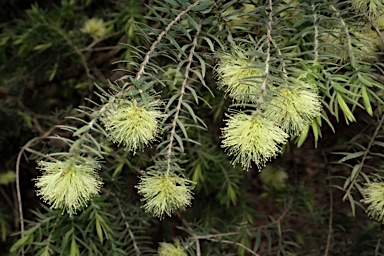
(164,154)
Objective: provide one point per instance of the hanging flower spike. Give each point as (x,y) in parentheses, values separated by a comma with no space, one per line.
(294,108)
(374,196)
(165,193)
(68,184)
(167,249)
(132,124)
(233,70)
(252,138)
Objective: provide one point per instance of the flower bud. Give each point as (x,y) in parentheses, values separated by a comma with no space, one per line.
(273,176)
(95,27)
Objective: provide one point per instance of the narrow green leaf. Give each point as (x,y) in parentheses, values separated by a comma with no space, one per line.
(19,243)
(98,230)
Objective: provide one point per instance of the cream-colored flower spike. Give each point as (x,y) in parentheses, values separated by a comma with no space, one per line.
(165,193)
(252,138)
(374,196)
(238,76)
(167,249)
(68,185)
(132,124)
(294,108)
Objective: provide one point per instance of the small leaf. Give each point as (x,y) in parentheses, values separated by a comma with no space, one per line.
(22,241)
(99,231)
(367,103)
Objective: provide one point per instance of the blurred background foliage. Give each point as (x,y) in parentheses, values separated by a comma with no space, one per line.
(50,61)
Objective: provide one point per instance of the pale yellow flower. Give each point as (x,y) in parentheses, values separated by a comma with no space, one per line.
(374,196)
(132,124)
(238,76)
(167,249)
(165,193)
(293,108)
(68,184)
(252,138)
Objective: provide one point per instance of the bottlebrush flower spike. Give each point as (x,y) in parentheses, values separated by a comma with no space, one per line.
(294,108)
(167,249)
(374,196)
(238,76)
(165,193)
(252,138)
(132,124)
(68,184)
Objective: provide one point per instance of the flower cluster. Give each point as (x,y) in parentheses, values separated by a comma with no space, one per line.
(374,196)
(164,193)
(252,138)
(167,249)
(238,76)
(68,184)
(281,110)
(132,124)
(295,107)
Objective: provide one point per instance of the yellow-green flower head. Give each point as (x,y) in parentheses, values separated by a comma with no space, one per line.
(273,176)
(132,124)
(167,249)
(165,193)
(294,107)
(68,185)
(252,138)
(374,196)
(373,8)
(95,27)
(238,76)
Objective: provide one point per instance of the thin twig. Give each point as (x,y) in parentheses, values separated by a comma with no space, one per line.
(91,45)
(18,190)
(379,126)
(138,252)
(376,28)
(211,237)
(234,243)
(263,87)
(316,47)
(182,92)
(160,36)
